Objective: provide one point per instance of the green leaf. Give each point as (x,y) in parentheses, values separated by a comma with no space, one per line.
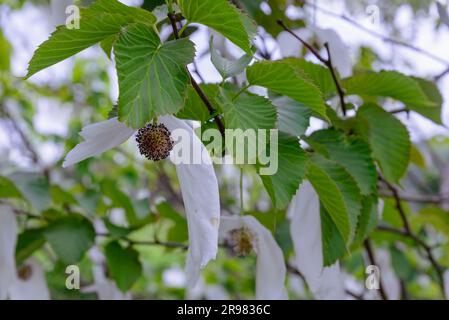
(338,193)
(416,157)
(150,5)
(282,78)
(124,265)
(318,74)
(98,22)
(70,237)
(34,188)
(434,216)
(397,86)
(334,246)
(221,16)
(152,76)
(28,242)
(388,138)
(107,45)
(402,266)
(119,199)
(291,163)
(62,197)
(293,117)
(5,53)
(117,231)
(351,153)
(178,231)
(368,219)
(226,67)
(432,92)
(247,111)
(8,189)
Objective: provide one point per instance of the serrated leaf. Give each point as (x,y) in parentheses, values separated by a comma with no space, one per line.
(351,153)
(226,67)
(293,117)
(388,138)
(282,78)
(334,246)
(247,111)
(338,194)
(291,163)
(8,189)
(318,74)
(124,265)
(397,86)
(368,219)
(98,22)
(70,237)
(432,92)
(153,78)
(221,16)
(28,242)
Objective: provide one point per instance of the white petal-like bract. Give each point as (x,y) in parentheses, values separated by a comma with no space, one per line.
(270,270)
(199,188)
(34,287)
(8,240)
(98,138)
(305,229)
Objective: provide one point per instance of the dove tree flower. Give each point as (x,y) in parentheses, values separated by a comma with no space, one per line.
(27,283)
(30,284)
(305,229)
(246,234)
(198,182)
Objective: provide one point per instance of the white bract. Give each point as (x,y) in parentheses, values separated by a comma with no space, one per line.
(446,283)
(305,229)
(34,287)
(390,281)
(8,239)
(270,270)
(199,186)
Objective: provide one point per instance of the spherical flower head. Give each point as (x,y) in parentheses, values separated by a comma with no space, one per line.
(154,142)
(25,272)
(241,241)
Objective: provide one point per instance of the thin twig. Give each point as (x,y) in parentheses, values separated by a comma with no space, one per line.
(413,198)
(377,34)
(408,232)
(326,61)
(199,91)
(442,74)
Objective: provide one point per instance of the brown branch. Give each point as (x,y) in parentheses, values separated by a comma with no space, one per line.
(442,74)
(408,232)
(172,245)
(199,91)
(327,62)
(413,198)
(372,259)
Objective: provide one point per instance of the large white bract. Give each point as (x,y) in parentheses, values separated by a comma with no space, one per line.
(270,270)
(305,229)
(199,185)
